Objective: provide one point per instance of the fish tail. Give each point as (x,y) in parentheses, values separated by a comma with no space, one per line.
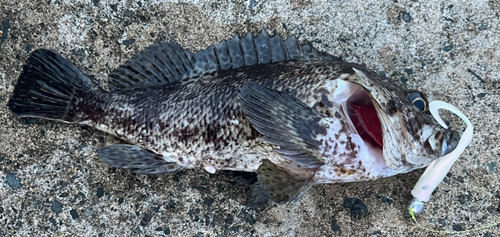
(50,87)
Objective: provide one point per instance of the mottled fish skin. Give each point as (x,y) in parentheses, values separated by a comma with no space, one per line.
(199,122)
(260,104)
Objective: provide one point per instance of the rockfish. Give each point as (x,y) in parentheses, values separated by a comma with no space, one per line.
(292,114)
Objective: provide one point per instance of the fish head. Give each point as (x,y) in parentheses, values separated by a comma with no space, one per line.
(406,134)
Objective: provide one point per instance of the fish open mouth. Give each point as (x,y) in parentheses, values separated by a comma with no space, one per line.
(363,115)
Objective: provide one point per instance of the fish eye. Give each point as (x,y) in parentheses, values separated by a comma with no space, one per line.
(418,99)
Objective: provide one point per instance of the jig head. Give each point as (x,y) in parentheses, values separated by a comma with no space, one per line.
(437,170)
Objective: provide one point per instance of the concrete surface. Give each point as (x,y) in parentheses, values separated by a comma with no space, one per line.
(52,182)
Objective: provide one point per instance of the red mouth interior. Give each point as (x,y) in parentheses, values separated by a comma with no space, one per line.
(364,117)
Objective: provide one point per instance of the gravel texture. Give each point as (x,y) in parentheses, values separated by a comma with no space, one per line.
(52,182)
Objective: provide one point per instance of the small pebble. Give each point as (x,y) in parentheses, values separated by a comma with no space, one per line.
(100,192)
(462,199)
(483,27)
(252,4)
(128,13)
(146,219)
(56,207)
(229,220)
(335,226)
(442,222)
(4,28)
(357,208)
(404,79)
(458,227)
(73,214)
(171,204)
(13,181)
(52,220)
(493,167)
(447,48)
(481,95)
(128,42)
(208,201)
(387,200)
(406,17)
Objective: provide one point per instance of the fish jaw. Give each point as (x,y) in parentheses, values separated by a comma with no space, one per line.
(410,139)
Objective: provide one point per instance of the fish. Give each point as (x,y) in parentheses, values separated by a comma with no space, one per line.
(281,109)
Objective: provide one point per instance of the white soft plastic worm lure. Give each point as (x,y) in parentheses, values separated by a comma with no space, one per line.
(436,171)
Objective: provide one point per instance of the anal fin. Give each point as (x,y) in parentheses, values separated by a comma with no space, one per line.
(257,196)
(138,160)
(279,184)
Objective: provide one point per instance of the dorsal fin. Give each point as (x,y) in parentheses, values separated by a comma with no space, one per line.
(164,63)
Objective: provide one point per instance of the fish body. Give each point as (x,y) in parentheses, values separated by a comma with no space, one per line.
(293,115)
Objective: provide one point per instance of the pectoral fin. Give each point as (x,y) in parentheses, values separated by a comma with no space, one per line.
(279,184)
(284,121)
(136,159)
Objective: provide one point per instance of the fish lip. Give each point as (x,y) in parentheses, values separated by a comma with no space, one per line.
(450,141)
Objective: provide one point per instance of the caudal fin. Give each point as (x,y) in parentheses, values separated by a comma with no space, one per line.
(49,87)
